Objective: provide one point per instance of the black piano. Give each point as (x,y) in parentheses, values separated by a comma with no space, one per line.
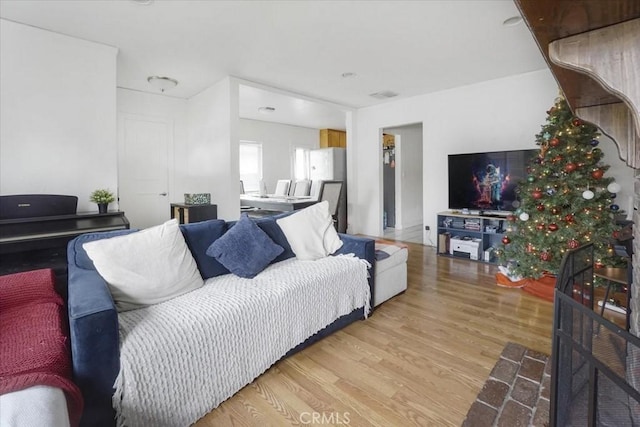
(35,230)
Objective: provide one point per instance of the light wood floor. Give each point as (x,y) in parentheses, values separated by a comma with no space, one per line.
(409,234)
(420,359)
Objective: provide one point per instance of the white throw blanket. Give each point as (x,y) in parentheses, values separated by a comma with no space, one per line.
(183,357)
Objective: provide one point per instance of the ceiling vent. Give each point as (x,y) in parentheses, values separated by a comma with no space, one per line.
(385,94)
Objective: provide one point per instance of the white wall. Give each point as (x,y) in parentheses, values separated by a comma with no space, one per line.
(495,115)
(278,144)
(57,114)
(502,114)
(211,153)
(408,175)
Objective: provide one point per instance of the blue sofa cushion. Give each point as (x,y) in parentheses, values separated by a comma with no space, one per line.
(82,260)
(273,230)
(245,249)
(199,236)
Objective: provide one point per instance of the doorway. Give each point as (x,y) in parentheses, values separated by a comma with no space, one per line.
(389,179)
(402,183)
(143,160)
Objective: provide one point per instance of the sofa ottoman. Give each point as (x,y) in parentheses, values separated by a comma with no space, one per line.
(390,271)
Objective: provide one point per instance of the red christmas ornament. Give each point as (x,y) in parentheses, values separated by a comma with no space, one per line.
(570,167)
(511,218)
(554,142)
(529,248)
(506,240)
(557,159)
(598,264)
(576,122)
(597,174)
(540,227)
(545,256)
(555,210)
(536,194)
(569,218)
(573,243)
(616,234)
(540,207)
(553,227)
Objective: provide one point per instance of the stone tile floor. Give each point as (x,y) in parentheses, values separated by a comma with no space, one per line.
(516,393)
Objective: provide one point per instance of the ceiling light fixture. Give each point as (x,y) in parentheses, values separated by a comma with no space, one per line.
(162,83)
(513,21)
(142,2)
(384,94)
(348,75)
(266,110)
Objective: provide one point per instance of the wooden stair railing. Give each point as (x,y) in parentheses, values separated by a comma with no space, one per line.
(611,56)
(593,51)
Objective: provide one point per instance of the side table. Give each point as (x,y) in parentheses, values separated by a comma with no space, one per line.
(187,214)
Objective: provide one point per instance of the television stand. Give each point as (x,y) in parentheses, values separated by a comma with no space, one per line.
(473,237)
(503,214)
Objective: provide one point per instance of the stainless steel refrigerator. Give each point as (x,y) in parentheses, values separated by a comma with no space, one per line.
(330,164)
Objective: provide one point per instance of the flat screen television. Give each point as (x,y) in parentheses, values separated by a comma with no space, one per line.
(487,181)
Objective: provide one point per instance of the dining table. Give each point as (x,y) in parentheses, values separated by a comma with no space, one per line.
(276,203)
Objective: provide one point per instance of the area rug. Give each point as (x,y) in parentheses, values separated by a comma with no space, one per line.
(516,394)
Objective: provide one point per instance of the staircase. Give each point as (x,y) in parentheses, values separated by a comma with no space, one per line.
(593,50)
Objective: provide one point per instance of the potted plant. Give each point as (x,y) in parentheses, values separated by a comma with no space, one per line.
(102,197)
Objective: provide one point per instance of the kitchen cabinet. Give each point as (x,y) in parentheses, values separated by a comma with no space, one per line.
(333,138)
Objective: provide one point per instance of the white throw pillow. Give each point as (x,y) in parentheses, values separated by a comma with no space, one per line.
(310,232)
(147,267)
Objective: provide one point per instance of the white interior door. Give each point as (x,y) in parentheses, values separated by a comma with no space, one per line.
(143,169)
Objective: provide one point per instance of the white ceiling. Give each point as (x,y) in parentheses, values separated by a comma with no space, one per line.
(290,110)
(409,47)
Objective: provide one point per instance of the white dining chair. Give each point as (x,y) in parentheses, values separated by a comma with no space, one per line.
(282,187)
(300,188)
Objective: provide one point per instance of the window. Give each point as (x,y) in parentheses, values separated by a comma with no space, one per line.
(250,165)
(301,163)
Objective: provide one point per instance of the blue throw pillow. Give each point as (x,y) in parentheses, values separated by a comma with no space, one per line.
(199,236)
(245,249)
(273,230)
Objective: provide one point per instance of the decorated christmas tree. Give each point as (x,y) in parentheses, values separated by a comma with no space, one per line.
(566,200)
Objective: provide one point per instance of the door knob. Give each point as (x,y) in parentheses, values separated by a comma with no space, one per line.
(163,194)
